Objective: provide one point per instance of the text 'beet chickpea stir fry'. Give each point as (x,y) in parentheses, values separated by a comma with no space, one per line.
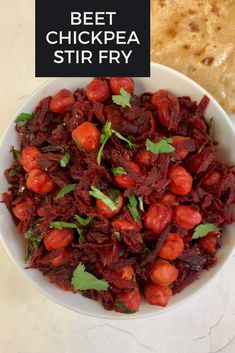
(119,196)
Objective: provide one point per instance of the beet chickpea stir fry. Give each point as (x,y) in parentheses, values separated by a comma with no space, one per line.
(119,197)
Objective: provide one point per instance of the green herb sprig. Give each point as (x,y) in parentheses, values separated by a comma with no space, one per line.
(23,118)
(15,153)
(15,171)
(61,225)
(123,99)
(117,235)
(132,206)
(66,190)
(96,193)
(141,203)
(65,160)
(106,133)
(160,147)
(118,171)
(32,242)
(203,229)
(83,280)
(83,221)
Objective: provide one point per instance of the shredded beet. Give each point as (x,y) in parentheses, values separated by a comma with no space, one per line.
(122,245)
(161,240)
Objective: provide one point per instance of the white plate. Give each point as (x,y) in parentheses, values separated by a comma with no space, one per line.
(161,78)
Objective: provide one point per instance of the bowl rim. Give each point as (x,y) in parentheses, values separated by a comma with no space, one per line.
(117,316)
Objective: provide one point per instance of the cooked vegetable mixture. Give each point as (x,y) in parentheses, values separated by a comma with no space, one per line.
(119,197)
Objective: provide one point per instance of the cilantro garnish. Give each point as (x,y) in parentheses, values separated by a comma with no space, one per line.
(66,190)
(113,195)
(123,98)
(141,203)
(15,153)
(83,221)
(83,280)
(162,146)
(61,225)
(14,171)
(96,193)
(203,229)
(22,119)
(129,143)
(201,148)
(132,206)
(117,235)
(65,160)
(106,133)
(32,242)
(118,171)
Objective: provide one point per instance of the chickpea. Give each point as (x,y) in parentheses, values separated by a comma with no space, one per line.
(157,217)
(163,273)
(157,295)
(173,247)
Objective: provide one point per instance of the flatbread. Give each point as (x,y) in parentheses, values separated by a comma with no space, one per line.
(197,38)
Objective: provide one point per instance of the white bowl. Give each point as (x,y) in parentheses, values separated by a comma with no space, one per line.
(161,78)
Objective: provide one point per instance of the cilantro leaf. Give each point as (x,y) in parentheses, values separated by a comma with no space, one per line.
(29,233)
(35,241)
(61,225)
(83,280)
(123,309)
(132,206)
(162,146)
(118,171)
(14,171)
(83,221)
(203,229)
(113,195)
(66,190)
(201,148)
(15,153)
(32,243)
(123,98)
(65,160)
(130,144)
(22,119)
(95,192)
(117,235)
(106,133)
(141,203)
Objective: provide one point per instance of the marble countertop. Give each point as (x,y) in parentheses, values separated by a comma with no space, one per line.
(32,323)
